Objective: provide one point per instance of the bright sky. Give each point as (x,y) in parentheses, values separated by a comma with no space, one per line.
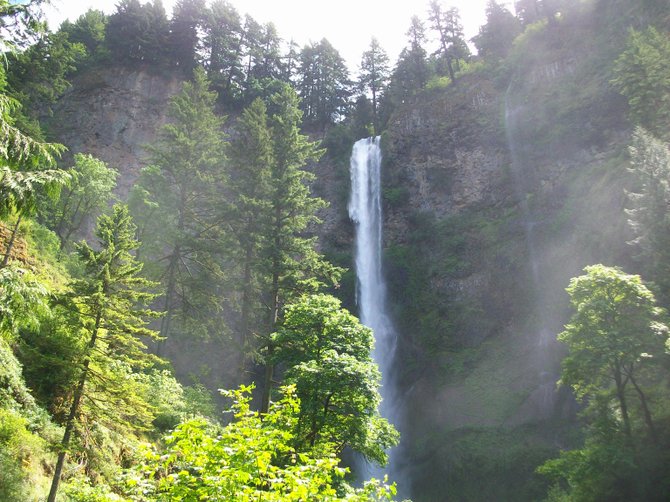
(347,24)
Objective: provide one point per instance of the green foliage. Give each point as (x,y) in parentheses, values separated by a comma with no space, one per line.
(453,47)
(89,31)
(20,452)
(324,86)
(474,464)
(80,490)
(326,352)
(110,315)
(176,203)
(173,403)
(23,301)
(86,195)
(615,330)
(495,38)
(37,77)
(648,215)
(614,338)
(373,77)
(138,32)
(642,75)
(252,458)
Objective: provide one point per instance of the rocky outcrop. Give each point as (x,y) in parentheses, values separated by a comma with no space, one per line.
(113,113)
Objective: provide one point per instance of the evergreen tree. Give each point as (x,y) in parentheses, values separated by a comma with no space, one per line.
(248,215)
(648,214)
(496,36)
(266,56)
(453,47)
(411,72)
(374,77)
(176,203)
(109,303)
(642,75)
(138,32)
(187,18)
(37,77)
(88,30)
(292,264)
(323,86)
(26,168)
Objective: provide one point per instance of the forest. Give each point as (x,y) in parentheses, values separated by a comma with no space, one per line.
(178,288)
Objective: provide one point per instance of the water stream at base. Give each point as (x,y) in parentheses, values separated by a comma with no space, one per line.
(365,211)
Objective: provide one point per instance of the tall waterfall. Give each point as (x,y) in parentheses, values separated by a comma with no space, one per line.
(366,212)
(545,395)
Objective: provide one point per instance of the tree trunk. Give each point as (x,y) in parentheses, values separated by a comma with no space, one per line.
(74,410)
(246,306)
(645,410)
(276,264)
(269,367)
(10,244)
(620,388)
(168,306)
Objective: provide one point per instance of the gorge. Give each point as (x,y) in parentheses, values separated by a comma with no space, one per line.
(448,209)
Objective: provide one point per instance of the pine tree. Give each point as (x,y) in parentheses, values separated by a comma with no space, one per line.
(109,303)
(648,214)
(411,71)
(324,85)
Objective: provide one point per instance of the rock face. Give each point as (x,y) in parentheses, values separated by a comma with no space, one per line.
(113,114)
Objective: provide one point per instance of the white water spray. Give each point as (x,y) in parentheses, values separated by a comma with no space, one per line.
(366,212)
(544,396)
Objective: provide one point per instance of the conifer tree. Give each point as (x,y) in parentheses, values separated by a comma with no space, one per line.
(411,71)
(451,38)
(109,303)
(374,76)
(292,264)
(248,215)
(176,203)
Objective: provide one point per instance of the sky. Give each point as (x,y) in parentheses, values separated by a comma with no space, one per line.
(348,25)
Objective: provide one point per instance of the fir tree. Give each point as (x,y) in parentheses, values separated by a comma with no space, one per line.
(109,303)
(176,205)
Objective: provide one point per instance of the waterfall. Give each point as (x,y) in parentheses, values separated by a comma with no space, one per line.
(544,396)
(366,212)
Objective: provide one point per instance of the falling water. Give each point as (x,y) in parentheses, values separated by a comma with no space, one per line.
(366,213)
(544,396)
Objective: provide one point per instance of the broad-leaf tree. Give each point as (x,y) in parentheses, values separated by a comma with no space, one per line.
(251,459)
(326,352)
(615,333)
(85,196)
